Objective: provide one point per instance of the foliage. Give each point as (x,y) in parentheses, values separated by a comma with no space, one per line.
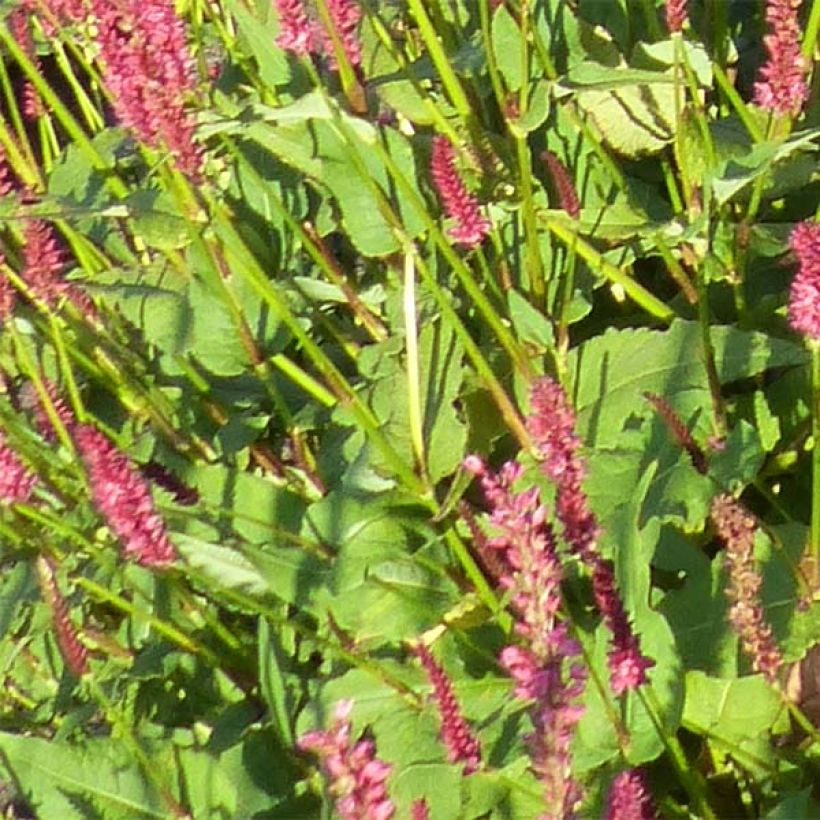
(279,335)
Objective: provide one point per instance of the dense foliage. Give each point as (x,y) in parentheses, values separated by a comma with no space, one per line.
(409,408)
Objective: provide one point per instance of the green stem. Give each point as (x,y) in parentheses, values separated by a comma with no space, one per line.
(411,336)
(814,549)
(690,778)
(737,102)
(633,289)
(66,118)
(709,353)
(812,31)
(452,84)
(535,265)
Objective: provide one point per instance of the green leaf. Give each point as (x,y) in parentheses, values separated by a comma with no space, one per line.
(273,684)
(56,778)
(226,567)
(613,370)
(507,44)
(730,710)
(306,136)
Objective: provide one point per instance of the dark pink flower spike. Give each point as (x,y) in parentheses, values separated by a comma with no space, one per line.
(782,86)
(150,74)
(123,497)
(19,28)
(17,482)
(676,15)
(419,810)
(297,33)
(356,777)
(459,204)
(44,262)
(736,528)
(804,297)
(462,746)
(629,798)
(564,185)
(552,426)
(74,653)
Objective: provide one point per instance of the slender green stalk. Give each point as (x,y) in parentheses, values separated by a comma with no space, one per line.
(449,78)
(812,31)
(650,303)
(814,549)
(704,321)
(508,411)
(741,108)
(301,378)
(65,117)
(411,342)
(691,779)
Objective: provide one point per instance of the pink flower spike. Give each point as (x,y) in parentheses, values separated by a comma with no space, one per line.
(736,528)
(74,653)
(17,482)
(629,798)
(150,74)
(804,296)
(462,746)
(781,87)
(676,15)
(356,776)
(564,185)
(296,32)
(419,810)
(459,204)
(552,426)
(123,497)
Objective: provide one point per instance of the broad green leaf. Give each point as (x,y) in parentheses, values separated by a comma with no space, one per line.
(323,143)
(58,779)
(225,566)
(507,44)
(729,710)
(613,370)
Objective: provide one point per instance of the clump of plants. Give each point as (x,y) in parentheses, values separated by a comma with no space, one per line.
(409,409)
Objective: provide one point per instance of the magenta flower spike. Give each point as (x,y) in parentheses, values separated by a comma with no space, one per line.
(462,745)
(356,777)
(74,653)
(546,668)
(781,86)
(459,204)
(629,798)
(736,528)
(804,296)
(564,185)
(17,482)
(150,74)
(676,15)
(419,810)
(552,426)
(44,262)
(123,497)
(297,33)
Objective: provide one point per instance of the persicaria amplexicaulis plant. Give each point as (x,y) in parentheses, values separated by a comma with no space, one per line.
(299,268)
